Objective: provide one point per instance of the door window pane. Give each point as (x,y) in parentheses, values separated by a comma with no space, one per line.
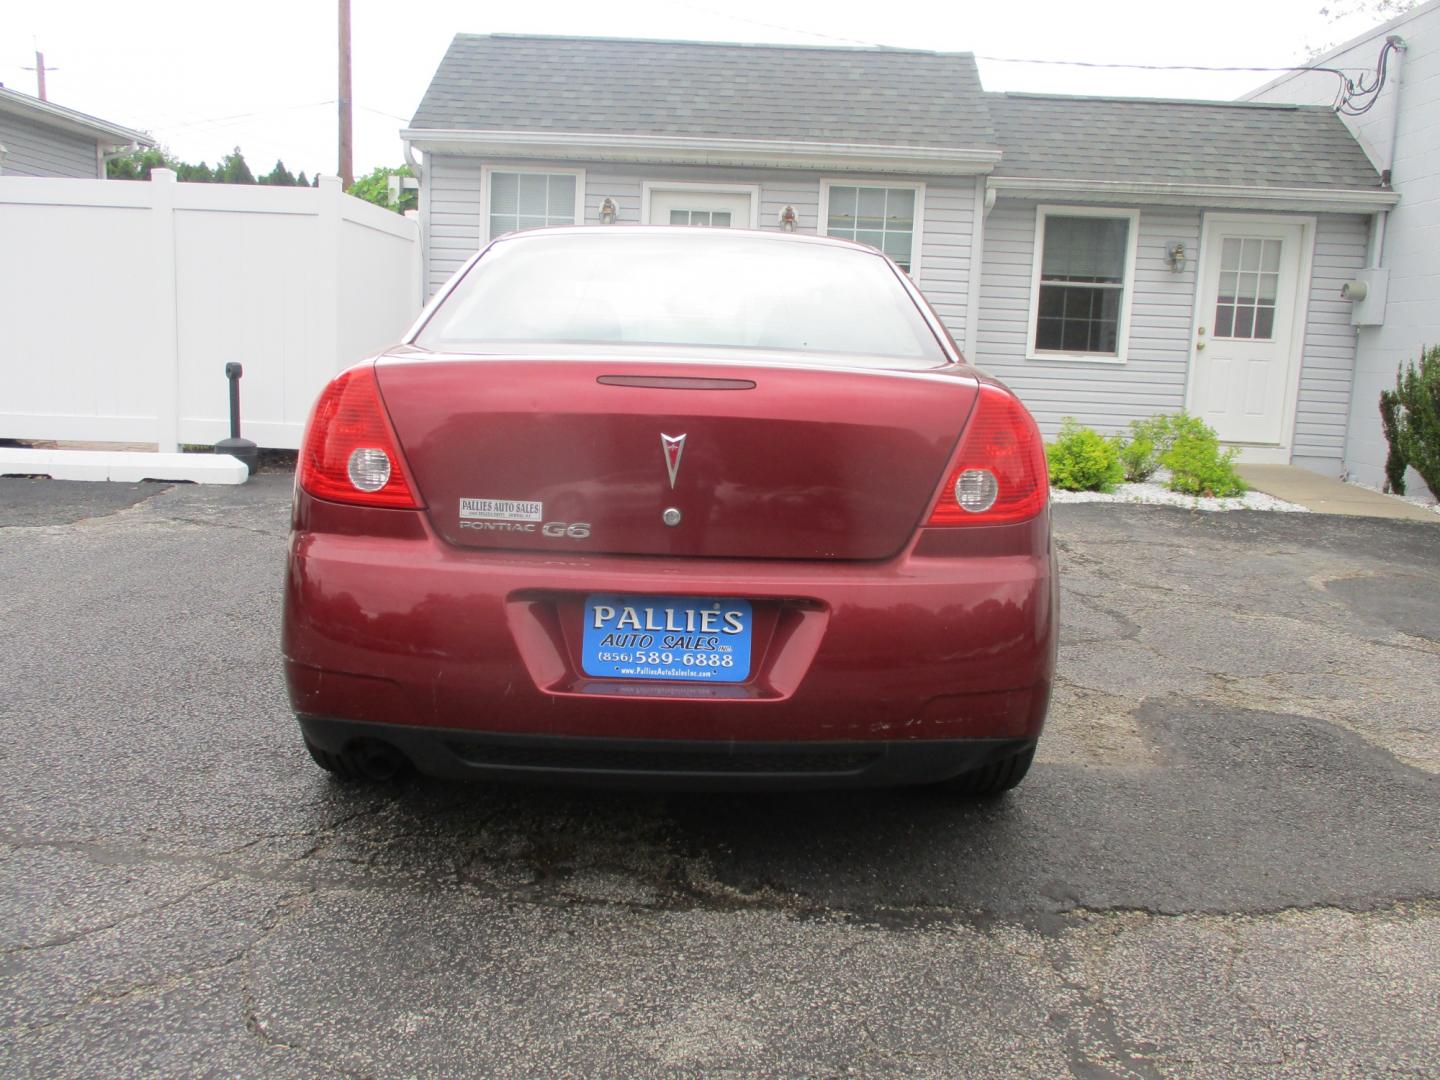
(1248,287)
(882,217)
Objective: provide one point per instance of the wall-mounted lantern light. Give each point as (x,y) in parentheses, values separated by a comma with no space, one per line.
(608,210)
(1175,255)
(787,219)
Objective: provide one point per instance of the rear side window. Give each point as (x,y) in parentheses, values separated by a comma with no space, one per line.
(690,288)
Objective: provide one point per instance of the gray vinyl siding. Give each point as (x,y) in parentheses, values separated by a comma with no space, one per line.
(1328,364)
(453,232)
(1105,396)
(1153,378)
(35,150)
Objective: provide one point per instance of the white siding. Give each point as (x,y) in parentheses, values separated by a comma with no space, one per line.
(1412,246)
(35,150)
(454,231)
(1105,396)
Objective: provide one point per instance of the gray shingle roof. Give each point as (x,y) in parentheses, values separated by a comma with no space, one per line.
(887,97)
(1148,141)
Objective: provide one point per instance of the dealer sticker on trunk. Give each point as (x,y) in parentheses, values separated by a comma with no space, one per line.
(501,510)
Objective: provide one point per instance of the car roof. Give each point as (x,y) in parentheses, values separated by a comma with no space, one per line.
(695,231)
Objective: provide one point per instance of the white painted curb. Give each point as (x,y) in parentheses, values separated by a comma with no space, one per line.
(122,465)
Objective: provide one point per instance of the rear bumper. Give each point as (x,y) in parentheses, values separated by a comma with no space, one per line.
(386,624)
(667,763)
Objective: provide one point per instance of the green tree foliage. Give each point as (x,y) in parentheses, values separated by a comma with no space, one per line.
(1417,417)
(1390,423)
(375,188)
(1081,459)
(279,176)
(232,169)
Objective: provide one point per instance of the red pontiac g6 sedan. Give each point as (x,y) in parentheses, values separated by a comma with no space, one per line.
(699,507)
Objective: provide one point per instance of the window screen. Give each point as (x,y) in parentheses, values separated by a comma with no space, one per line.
(530,201)
(884,218)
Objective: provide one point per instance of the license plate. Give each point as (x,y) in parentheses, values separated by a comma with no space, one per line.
(680,638)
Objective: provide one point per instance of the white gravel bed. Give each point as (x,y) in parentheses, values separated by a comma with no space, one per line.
(1156,494)
(1424,501)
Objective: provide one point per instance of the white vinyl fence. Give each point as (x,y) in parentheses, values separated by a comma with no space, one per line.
(121,303)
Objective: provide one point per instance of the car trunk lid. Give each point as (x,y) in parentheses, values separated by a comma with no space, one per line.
(746,460)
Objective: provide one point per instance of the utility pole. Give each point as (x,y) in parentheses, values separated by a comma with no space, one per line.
(40,70)
(347,167)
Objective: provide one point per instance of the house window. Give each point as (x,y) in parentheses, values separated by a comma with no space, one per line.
(520,200)
(1082,283)
(883,217)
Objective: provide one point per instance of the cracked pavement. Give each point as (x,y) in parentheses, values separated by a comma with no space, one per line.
(1226,861)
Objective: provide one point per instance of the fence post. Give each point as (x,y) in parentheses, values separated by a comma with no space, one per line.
(331,284)
(167,317)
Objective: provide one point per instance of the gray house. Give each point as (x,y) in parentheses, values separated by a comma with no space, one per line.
(40,138)
(1108,258)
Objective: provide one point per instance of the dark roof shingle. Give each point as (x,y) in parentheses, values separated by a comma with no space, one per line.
(885,97)
(1170,142)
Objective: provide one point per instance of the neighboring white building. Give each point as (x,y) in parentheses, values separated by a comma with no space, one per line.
(40,138)
(1401,134)
(1108,258)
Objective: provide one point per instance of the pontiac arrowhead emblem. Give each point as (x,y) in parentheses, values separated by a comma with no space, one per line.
(672,446)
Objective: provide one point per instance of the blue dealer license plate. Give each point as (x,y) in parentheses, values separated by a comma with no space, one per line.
(681,638)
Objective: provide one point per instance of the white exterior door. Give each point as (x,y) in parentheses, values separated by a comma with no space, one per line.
(1245,352)
(688,206)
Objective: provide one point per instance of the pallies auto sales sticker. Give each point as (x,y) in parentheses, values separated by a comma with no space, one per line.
(501,510)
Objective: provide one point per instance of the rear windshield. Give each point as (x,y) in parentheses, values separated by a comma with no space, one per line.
(693,287)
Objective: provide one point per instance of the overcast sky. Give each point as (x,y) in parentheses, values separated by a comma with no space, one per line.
(260,74)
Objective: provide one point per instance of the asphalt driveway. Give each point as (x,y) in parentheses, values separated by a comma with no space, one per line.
(1226,861)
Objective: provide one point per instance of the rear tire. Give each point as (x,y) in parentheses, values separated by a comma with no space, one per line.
(360,763)
(993,779)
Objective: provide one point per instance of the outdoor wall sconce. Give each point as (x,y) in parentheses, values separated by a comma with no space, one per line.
(608,210)
(787,219)
(1175,255)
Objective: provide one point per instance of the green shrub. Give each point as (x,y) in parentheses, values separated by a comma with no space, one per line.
(1394,460)
(1417,417)
(1140,451)
(1082,459)
(1197,464)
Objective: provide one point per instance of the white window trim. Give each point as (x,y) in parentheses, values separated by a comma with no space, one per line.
(532,168)
(917,237)
(649,186)
(1127,295)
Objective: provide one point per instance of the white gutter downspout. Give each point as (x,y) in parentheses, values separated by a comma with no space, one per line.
(984,200)
(418,170)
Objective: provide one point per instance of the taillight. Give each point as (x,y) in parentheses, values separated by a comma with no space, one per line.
(999,474)
(350,453)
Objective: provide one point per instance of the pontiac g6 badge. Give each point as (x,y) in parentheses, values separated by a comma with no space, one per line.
(672,446)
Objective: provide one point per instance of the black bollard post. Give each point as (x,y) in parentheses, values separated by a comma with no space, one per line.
(244,449)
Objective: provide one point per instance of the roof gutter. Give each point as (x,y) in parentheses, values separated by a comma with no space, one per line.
(684,150)
(1235,196)
(57,116)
